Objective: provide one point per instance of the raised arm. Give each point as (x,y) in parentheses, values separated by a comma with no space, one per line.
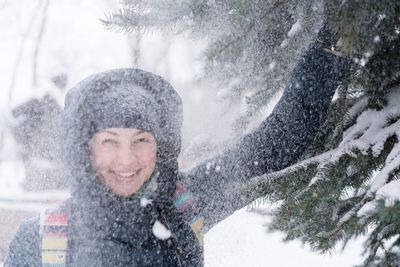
(277,143)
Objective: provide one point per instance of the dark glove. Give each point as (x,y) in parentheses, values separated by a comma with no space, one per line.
(328,39)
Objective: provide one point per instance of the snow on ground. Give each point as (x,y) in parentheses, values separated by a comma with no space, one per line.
(241,240)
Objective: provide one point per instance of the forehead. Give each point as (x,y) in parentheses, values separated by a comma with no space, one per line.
(122,131)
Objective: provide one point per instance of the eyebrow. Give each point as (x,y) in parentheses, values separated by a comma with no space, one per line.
(138,132)
(110,132)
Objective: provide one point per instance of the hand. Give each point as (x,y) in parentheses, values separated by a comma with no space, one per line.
(329,40)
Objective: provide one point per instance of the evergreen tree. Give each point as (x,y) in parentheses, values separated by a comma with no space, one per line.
(347,184)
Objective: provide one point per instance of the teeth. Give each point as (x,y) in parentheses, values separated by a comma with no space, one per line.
(125,174)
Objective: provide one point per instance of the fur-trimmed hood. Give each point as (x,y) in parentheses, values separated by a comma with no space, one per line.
(120,98)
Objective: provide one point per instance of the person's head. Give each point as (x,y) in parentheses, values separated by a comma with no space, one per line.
(122,133)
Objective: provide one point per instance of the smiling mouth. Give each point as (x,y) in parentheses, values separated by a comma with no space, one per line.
(126,176)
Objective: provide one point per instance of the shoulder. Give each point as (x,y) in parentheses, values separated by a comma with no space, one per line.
(186,204)
(28,232)
(24,249)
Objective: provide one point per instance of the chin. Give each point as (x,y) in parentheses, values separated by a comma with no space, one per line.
(124,192)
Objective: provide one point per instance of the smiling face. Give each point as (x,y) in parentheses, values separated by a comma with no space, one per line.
(123,158)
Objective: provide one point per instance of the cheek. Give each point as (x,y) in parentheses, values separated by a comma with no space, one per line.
(149,158)
(101,161)
(97,163)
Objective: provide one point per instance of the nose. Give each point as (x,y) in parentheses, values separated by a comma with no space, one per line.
(127,157)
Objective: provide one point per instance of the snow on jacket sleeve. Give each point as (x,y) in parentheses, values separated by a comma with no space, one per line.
(24,249)
(277,143)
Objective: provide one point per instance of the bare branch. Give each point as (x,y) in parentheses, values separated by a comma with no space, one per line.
(39,41)
(21,50)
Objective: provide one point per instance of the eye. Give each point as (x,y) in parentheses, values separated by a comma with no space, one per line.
(143,140)
(108,141)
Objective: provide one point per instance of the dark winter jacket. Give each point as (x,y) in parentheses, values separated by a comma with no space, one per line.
(122,236)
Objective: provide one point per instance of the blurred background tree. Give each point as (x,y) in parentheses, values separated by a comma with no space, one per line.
(347,184)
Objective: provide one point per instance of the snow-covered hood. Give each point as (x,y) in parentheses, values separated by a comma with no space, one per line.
(110,99)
